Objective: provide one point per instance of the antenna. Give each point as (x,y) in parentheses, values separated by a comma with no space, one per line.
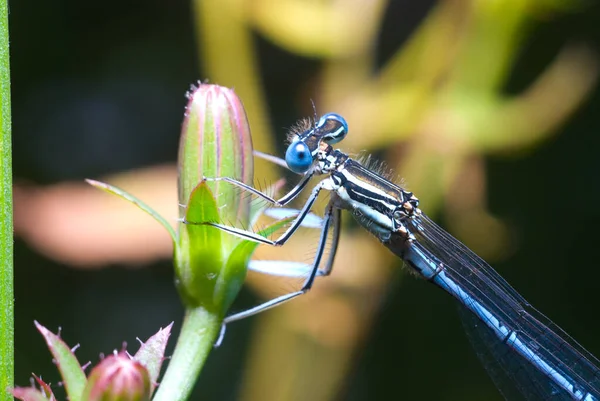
(315,113)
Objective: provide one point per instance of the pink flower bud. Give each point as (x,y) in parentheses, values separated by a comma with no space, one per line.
(118,378)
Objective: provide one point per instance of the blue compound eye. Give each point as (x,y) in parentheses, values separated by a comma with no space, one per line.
(334,127)
(298,157)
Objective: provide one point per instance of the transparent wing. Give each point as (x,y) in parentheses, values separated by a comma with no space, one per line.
(514,377)
(548,354)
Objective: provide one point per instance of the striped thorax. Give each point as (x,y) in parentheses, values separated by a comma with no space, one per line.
(377,204)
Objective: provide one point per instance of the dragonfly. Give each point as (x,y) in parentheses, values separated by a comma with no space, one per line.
(528,356)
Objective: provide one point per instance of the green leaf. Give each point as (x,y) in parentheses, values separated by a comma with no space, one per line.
(72,374)
(272,228)
(132,199)
(152,353)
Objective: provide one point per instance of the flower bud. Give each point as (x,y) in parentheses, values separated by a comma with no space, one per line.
(118,378)
(215,142)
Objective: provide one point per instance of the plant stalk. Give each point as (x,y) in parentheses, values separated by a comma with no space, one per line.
(6,221)
(198,334)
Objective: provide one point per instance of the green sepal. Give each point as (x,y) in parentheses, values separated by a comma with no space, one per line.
(199,256)
(202,205)
(71,372)
(236,268)
(152,353)
(246,246)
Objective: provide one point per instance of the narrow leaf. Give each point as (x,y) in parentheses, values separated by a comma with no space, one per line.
(72,374)
(270,229)
(132,199)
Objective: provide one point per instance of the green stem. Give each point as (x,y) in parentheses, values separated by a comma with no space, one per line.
(198,334)
(6,222)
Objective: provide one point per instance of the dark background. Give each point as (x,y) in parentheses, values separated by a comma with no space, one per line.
(88,77)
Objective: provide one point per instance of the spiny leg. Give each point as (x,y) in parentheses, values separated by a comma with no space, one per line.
(335,239)
(305,287)
(260,239)
(299,269)
(287,198)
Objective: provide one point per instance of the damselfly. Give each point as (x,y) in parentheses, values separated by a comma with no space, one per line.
(533,358)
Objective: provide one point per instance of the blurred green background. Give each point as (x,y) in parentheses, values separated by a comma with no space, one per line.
(489,109)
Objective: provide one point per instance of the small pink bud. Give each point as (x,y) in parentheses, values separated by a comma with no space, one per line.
(118,378)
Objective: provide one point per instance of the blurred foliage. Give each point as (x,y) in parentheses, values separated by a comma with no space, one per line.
(452,94)
(433,110)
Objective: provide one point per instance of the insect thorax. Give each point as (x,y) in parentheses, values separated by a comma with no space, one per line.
(377,204)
